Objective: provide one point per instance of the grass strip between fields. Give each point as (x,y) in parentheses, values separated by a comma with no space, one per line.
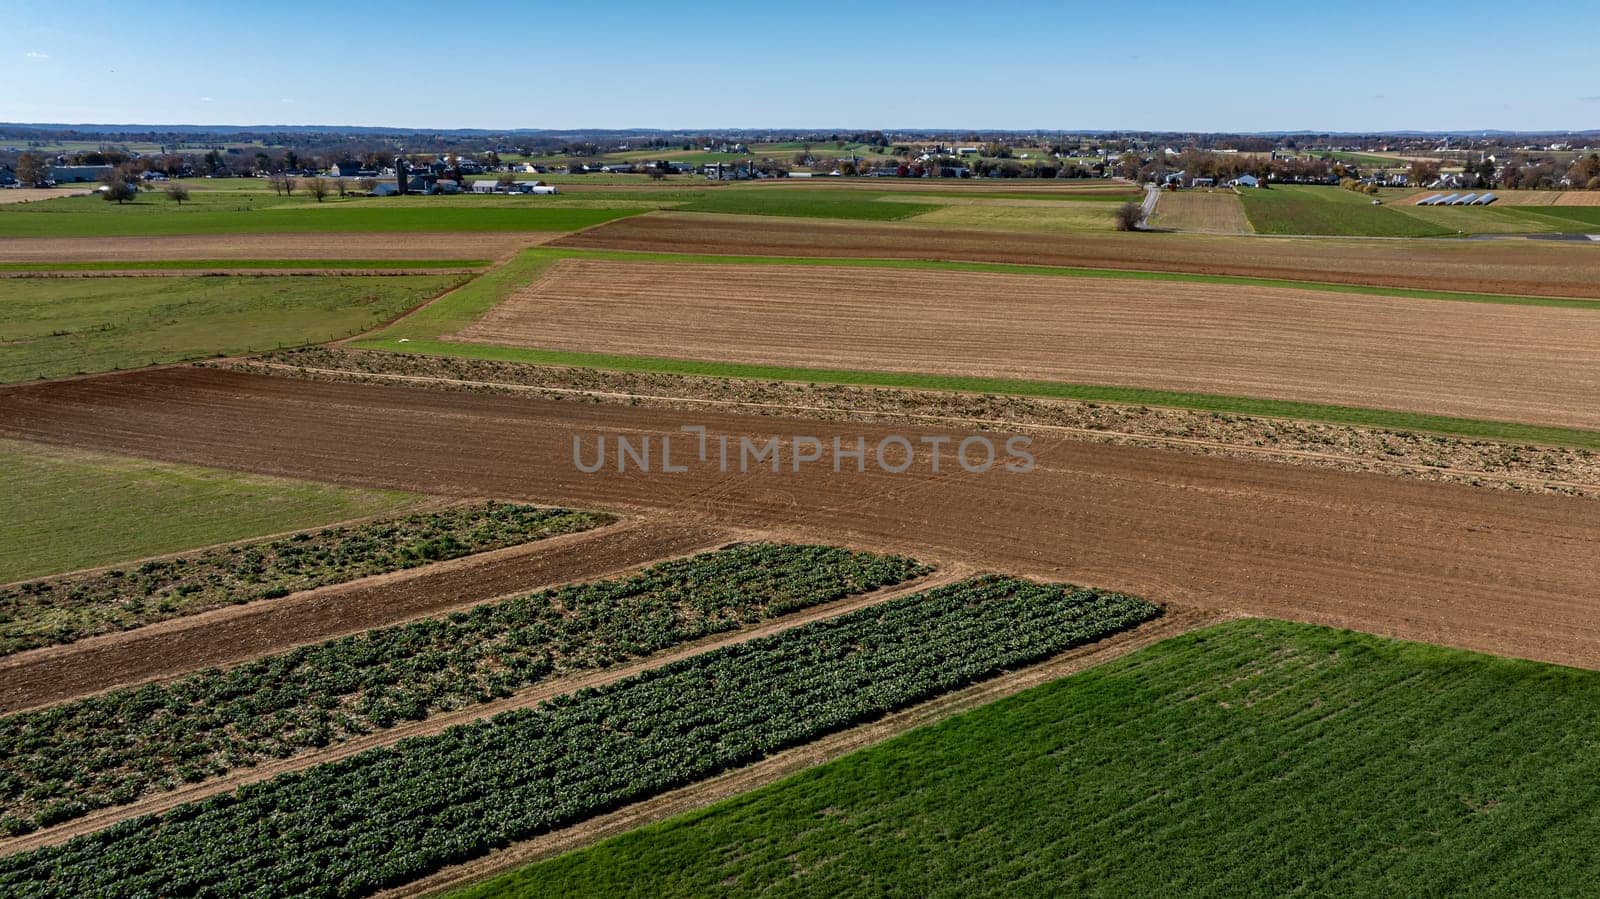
(422,332)
(218,264)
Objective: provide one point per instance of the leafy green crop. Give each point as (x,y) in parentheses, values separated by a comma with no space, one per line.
(387,816)
(64,761)
(62,610)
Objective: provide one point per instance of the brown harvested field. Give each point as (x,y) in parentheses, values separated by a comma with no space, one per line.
(1492,571)
(1477,360)
(1532,267)
(232,635)
(1578,198)
(485,245)
(33,194)
(1208,212)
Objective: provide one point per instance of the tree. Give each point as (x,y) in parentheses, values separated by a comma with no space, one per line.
(1129,216)
(117,189)
(1423,172)
(506,180)
(367,185)
(317,187)
(32,170)
(177,193)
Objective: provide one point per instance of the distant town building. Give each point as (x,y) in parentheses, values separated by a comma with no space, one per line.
(77,174)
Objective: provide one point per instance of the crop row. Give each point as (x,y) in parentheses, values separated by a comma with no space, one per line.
(62,610)
(387,816)
(61,762)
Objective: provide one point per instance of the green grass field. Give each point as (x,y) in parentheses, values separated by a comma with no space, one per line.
(332,265)
(67,509)
(1255,758)
(1306,209)
(92,217)
(1479,219)
(784,201)
(1569,218)
(57,327)
(1056,217)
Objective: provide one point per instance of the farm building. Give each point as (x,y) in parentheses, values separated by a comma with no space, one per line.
(485,187)
(386,189)
(75,174)
(525,187)
(1245,181)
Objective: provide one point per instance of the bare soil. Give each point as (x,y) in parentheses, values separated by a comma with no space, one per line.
(1494,571)
(1535,268)
(1478,360)
(1479,463)
(237,633)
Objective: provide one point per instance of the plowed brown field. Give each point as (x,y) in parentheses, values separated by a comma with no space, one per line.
(1541,268)
(486,245)
(1499,572)
(1532,364)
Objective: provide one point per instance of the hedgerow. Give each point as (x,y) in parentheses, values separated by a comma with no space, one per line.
(61,762)
(62,610)
(387,816)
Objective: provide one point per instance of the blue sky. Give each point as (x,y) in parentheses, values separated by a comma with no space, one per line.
(1157,65)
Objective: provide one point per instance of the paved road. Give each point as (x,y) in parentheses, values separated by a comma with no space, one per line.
(1151,195)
